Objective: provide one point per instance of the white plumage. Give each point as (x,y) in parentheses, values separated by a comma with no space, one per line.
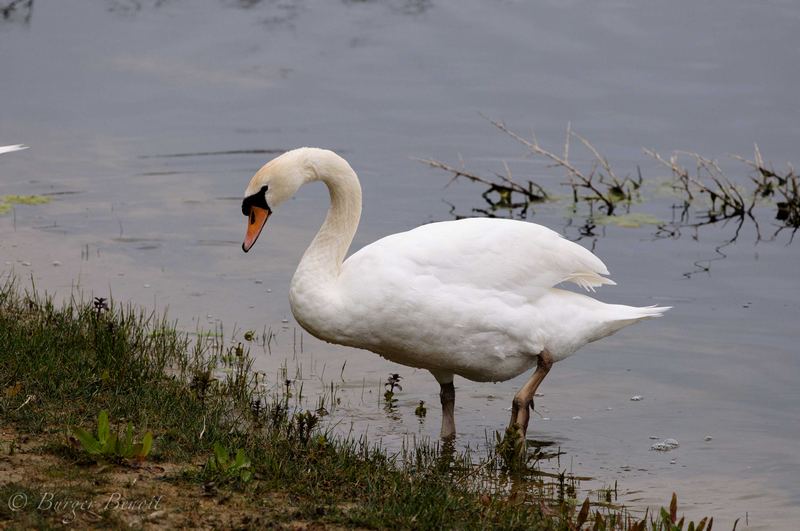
(9,149)
(473,297)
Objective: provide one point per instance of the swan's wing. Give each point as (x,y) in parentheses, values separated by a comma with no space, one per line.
(486,253)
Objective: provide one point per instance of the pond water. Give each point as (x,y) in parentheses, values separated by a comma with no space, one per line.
(147,118)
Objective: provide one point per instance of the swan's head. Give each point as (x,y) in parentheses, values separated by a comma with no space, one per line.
(274,183)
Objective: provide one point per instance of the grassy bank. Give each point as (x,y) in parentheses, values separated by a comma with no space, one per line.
(225,453)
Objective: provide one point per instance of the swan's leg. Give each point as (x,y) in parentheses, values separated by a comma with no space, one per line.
(523,400)
(448,398)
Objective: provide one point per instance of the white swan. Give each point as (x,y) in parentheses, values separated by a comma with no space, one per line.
(9,149)
(473,297)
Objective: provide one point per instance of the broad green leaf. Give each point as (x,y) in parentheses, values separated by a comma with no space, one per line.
(110,446)
(241,459)
(88,442)
(147,445)
(221,455)
(126,444)
(103,428)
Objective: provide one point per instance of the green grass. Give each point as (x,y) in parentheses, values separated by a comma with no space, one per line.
(61,365)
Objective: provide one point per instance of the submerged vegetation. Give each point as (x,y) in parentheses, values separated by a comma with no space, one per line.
(703,196)
(7,202)
(225,448)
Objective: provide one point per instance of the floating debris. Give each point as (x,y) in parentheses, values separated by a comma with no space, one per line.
(576,417)
(636,398)
(633,220)
(707,438)
(654,437)
(665,446)
(25,199)
(26,264)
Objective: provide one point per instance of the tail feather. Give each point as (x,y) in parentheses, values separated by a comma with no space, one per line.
(648,312)
(589,280)
(631,314)
(618,316)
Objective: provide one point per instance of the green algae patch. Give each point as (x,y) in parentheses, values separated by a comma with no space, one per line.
(4,208)
(628,221)
(25,199)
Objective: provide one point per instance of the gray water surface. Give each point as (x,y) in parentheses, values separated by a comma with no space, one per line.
(147,119)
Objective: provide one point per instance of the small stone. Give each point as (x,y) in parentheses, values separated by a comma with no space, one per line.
(665,446)
(636,398)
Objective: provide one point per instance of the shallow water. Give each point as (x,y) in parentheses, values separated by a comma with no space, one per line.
(148,118)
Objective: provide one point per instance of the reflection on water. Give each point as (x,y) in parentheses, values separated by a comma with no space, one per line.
(16,11)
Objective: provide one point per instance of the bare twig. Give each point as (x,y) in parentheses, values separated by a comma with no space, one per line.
(608,188)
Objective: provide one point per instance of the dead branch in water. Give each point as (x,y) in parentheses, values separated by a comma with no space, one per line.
(499,195)
(727,200)
(603,185)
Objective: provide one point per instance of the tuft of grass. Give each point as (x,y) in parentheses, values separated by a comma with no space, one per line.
(62,364)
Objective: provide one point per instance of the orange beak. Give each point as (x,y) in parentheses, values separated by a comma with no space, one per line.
(255,223)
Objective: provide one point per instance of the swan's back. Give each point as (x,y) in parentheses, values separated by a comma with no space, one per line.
(488,253)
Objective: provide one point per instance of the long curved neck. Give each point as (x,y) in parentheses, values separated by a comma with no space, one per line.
(327,250)
(322,262)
